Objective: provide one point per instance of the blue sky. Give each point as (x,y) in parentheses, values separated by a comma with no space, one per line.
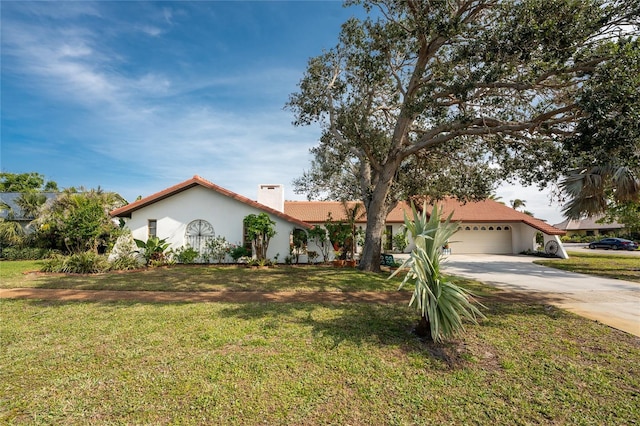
(135,97)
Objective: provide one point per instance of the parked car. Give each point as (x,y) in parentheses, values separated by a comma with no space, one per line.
(614,244)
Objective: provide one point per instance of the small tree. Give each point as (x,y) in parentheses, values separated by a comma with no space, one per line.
(442,304)
(400,241)
(338,234)
(299,241)
(260,229)
(318,235)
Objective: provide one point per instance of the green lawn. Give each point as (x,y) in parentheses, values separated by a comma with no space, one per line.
(604,265)
(304,363)
(202,278)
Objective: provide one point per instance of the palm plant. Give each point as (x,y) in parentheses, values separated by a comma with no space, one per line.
(443,306)
(591,189)
(29,203)
(517,203)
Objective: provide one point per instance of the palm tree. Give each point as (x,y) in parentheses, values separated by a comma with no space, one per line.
(29,203)
(590,190)
(442,305)
(517,203)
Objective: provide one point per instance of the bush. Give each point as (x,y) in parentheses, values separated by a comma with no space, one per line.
(125,263)
(77,263)
(26,253)
(186,255)
(238,252)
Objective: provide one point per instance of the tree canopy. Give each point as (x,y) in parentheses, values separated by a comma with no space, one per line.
(447,98)
(25,182)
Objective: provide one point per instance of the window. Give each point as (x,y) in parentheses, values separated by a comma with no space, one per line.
(491,228)
(152,227)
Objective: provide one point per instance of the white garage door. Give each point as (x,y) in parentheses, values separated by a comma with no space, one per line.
(482,238)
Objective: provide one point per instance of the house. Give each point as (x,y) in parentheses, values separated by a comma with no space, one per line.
(589,227)
(196,209)
(10,210)
(484,226)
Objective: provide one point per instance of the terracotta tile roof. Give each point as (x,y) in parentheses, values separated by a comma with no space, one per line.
(195,181)
(480,211)
(587,224)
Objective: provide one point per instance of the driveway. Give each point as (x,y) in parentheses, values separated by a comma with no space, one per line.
(612,302)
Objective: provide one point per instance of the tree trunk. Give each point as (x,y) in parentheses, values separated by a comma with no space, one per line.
(377,210)
(423,329)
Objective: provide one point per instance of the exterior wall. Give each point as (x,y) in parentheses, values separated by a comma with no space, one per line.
(524,239)
(225,214)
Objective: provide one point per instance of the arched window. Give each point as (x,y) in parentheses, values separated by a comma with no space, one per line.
(483,229)
(499,228)
(198,233)
(491,228)
(506,228)
(467,228)
(475,228)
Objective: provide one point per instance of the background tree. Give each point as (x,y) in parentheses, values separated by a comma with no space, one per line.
(79,221)
(318,235)
(517,203)
(449,97)
(25,182)
(604,153)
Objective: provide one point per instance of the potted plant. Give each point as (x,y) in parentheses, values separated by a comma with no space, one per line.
(337,261)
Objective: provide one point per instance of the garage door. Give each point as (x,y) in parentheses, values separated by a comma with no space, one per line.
(482,238)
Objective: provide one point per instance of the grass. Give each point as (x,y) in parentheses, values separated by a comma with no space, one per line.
(203,278)
(603,265)
(305,363)
(134,363)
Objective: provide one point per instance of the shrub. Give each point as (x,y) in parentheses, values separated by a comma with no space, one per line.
(153,250)
(26,253)
(125,263)
(77,263)
(217,248)
(185,255)
(237,252)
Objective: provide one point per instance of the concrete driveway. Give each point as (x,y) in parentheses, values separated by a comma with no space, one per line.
(612,302)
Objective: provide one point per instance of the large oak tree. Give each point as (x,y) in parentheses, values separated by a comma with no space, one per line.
(448,97)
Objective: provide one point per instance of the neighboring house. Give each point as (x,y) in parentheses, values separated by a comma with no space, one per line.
(589,227)
(196,209)
(485,226)
(14,212)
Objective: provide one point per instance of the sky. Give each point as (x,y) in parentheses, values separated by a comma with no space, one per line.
(135,97)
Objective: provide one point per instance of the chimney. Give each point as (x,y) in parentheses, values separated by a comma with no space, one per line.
(271,196)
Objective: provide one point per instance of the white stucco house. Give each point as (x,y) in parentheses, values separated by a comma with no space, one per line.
(484,226)
(196,209)
(192,211)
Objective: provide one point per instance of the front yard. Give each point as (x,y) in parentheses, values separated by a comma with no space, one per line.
(603,265)
(300,363)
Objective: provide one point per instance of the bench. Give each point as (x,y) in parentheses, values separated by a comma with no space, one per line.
(387,260)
